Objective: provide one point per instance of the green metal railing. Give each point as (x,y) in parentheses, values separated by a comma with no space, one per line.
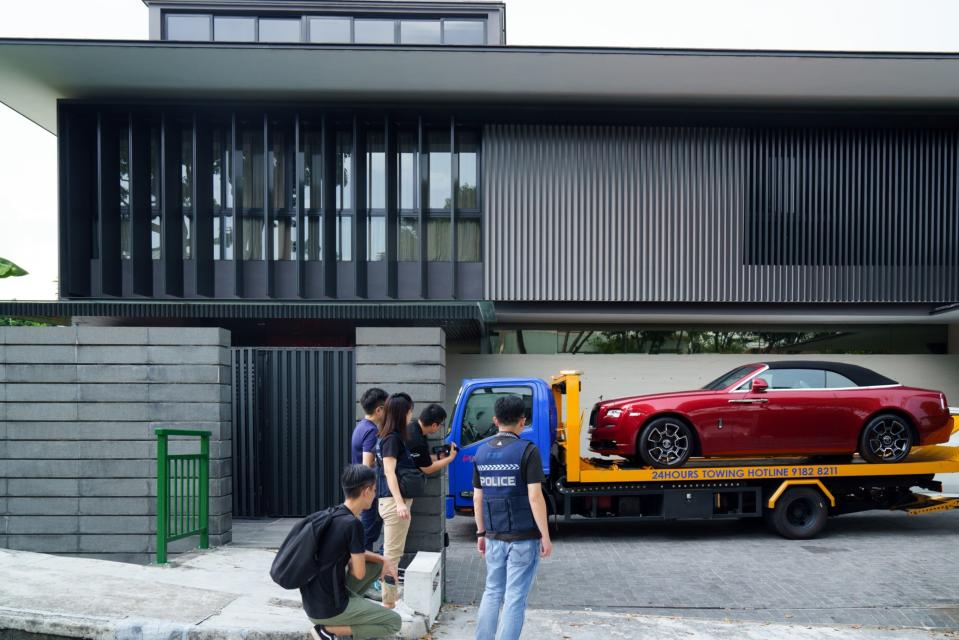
(183,492)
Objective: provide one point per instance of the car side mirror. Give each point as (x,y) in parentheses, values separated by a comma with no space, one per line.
(759,385)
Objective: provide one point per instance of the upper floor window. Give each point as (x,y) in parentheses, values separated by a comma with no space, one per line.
(195,27)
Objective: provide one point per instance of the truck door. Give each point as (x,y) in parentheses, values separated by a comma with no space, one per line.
(473,425)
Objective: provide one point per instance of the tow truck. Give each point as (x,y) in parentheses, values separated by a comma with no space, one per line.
(794,495)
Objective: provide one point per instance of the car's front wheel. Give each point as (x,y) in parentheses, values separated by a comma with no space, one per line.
(886,438)
(665,443)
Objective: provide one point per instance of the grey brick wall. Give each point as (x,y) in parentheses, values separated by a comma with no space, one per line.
(78,410)
(410,359)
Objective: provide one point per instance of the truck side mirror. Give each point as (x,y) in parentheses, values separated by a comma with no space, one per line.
(759,385)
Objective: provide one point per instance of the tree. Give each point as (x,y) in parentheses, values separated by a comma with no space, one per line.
(9,270)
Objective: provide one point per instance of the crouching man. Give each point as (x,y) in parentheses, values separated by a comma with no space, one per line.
(335,603)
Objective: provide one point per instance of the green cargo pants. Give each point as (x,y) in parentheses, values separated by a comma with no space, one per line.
(367,619)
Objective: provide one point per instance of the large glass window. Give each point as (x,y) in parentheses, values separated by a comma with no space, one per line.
(156,233)
(124,157)
(223,195)
(407,184)
(186,188)
(464,32)
(372,31)
(282,190)
(468,221)
(279,30)
(234,29)
(344,199)
(331,30)
(420,32)
(312,147)
(186,27)
(440,194)
(252,193)
(376,196)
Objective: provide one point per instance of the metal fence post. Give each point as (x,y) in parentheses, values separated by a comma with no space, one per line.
(205,491)
(163,488)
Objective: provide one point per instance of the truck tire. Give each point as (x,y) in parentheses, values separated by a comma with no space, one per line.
(799,514)
(665,443)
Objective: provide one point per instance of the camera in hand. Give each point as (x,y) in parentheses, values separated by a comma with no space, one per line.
(442,450)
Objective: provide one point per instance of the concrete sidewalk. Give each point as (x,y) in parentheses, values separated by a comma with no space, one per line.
(219,594)
(459,623)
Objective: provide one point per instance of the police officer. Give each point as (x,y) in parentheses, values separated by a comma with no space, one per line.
(511,525)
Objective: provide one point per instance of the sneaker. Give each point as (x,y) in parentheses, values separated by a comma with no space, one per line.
(319,632)
(375,592)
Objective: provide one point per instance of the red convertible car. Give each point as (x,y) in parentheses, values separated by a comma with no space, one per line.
(773,409)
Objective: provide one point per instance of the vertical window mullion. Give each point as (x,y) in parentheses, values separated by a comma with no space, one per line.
(454,191)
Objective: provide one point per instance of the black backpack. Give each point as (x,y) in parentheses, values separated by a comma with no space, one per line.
(296,562)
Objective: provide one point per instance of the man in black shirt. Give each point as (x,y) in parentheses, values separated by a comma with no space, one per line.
(333,599)
(417,440)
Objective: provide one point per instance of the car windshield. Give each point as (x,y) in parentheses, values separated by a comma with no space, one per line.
(727,379)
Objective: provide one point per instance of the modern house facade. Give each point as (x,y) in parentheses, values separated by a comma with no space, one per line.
(390,180)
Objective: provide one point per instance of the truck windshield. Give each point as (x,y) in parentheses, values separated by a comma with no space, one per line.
(727,379)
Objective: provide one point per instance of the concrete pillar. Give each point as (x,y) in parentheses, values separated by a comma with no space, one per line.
(410,359)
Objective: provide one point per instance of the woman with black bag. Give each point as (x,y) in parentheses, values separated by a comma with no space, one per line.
(398,482)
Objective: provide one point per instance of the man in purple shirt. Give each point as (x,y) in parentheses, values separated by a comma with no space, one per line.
(373,402)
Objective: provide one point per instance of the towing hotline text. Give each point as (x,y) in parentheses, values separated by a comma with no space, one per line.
(742,474)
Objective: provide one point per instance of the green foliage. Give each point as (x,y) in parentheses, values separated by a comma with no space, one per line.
(8,321)
(9,270)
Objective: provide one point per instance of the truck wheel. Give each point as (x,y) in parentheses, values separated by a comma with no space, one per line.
(800,514)
(665,443)
(885,438)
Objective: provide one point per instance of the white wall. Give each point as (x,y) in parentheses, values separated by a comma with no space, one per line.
(627,374)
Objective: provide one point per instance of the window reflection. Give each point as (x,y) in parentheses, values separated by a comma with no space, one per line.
(370,31)
(279,30)
(464,32)
(187,28)
(420,32)
(282,190)
(468,228)
(376,196)
(222,156)
(331,30)
(155,230)
(234,29)
(312,142)
(441,189)
(344,199)
(124,161)
(186,188)
(407,184)
(251,195)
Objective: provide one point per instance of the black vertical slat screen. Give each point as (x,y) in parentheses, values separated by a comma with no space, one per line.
(292,419)
(709,214)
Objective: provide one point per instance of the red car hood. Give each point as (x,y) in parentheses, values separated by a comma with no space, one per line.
(676,395)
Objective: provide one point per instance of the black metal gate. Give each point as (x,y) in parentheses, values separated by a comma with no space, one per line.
(293,413)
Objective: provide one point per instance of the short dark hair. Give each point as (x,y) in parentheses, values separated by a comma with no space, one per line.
(373,399)
(432,414)
(509,409)
(356,478)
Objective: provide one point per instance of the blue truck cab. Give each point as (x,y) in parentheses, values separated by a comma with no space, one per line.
(472,426)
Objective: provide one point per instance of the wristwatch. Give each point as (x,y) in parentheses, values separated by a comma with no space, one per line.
(480,534)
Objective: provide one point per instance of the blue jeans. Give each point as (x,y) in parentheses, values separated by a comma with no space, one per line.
(510,568)
(372,526)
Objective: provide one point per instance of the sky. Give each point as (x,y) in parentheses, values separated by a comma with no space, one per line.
(28,198)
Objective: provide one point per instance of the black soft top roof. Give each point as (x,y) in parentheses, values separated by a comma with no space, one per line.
(862,376)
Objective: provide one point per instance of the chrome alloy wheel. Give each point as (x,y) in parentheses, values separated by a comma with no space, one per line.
(667,443)
(889,439)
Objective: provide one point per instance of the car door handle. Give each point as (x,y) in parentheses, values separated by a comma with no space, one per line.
(750,401)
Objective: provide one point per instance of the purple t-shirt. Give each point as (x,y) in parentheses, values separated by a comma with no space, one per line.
(364,439)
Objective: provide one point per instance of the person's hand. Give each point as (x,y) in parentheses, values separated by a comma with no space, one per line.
(545,548)
(402,510)
(389,569)
(481,545)
(454,450)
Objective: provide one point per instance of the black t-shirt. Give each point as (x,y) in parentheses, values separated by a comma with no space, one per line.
(418,445)
(325,595)
(532,473)
(392,446)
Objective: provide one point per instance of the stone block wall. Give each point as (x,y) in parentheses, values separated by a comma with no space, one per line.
(410,359)
(78,410)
